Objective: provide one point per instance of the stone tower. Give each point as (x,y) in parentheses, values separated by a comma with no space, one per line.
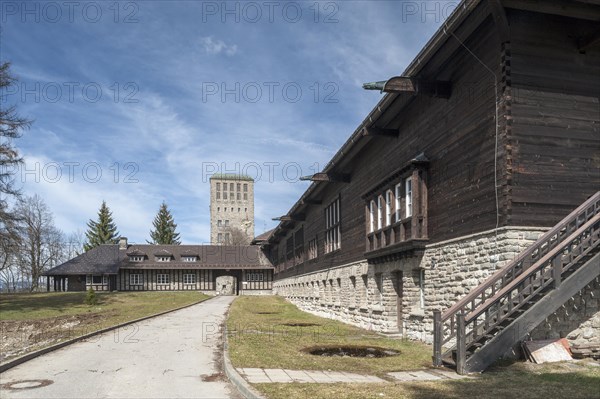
(231,209)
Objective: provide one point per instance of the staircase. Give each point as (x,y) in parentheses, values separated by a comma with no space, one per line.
(500,312)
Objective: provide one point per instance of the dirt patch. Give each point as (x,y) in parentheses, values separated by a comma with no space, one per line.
(21,337)
(267,312)
(351,351)
(300,324)
(212,377)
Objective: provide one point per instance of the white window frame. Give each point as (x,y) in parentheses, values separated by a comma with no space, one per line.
(136,279)
(163,258)
(379,212)
(189,258)
(136,258)
(398,191)
(189,278)
(409,196)
(163,279)
(372,215)
(388,207)
(332,226)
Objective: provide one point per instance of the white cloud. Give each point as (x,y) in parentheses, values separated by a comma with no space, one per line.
(212,46)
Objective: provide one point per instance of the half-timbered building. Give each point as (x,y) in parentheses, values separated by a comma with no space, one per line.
(466,199)
(214,269)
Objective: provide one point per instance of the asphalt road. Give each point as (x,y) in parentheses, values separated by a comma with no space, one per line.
(177,355)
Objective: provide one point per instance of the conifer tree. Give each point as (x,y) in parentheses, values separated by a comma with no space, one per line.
(104,231)
(164,228)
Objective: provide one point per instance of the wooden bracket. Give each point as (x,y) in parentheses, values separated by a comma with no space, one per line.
(329,177)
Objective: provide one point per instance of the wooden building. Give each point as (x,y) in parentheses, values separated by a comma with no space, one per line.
(489,138)
(215,269)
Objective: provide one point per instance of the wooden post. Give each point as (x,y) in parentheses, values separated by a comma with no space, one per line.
(461,355)
(437,338)
(557,270)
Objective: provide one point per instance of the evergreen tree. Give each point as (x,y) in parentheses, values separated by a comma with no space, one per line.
(164,228)
(104,231)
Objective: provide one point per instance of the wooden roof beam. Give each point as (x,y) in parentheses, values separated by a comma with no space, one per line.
(291,218)
(405,84)
(379,132)
(328,177)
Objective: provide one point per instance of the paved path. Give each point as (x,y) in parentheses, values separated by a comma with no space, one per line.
(261,376)
(258,376)
(172,356)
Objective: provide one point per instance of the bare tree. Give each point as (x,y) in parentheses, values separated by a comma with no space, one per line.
(11,126)
(73,245)
(236,236)
(42,243)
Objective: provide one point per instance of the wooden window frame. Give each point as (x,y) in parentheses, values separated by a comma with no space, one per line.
(165,277)
(136,279)
(186,278)
(333,233)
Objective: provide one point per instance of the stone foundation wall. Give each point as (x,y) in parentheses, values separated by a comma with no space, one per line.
(256,292)
(366,295)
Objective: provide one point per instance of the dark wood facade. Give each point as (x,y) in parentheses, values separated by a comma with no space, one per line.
(540,161)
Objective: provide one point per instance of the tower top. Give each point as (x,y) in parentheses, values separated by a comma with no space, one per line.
(230,176)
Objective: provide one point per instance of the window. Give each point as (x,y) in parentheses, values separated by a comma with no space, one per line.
(245,188)
(408,191)
(189,279)
(136,258)
(163,258)
(219,209)
(245,196)
(372,216)
(230,186)
(255,277)
(188,258)
(218,195)
(162,279)
(231,196)
(95,279)
(398,204)
(135,279)
(220,238)
(312,249)
(227,238)
(332,226)
(239,196)
(239,187)
(226,223)
(379,212)
(224,194)
(388,208)
(218,186)
(219,222)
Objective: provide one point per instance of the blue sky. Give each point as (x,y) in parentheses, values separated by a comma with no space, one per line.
(157,95)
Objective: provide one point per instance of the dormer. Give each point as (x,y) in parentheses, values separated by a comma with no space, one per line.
(163,256)
(136,256)
(189,256)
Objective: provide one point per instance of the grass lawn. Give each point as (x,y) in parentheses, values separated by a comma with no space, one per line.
(259,338)
(33,321)
(519,380)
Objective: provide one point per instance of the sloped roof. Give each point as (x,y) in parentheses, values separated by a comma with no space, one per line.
(108,259)
(263,237)
(104,259)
